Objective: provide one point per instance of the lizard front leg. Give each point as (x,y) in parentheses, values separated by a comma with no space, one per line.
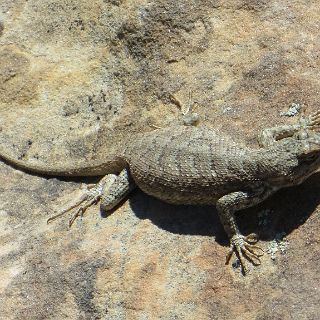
(270,136)
(111,190)
(242,246)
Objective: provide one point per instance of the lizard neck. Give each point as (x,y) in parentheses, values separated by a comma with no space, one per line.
(276,166)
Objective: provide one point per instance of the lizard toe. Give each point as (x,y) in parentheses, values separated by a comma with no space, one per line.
(91,196)
(256,250)
(244,248)
(251,254)
(82,209)
(242,259)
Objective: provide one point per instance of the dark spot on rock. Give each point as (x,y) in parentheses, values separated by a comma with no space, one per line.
(22,155)
(1,28)
(236,264)
(172,61)
(70,108)
(103,96)
(77,24)
(114,2)
(91,100)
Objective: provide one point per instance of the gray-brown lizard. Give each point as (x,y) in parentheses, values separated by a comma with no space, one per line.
(196,165)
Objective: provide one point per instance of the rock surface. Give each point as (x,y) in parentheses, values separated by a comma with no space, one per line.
(78,77)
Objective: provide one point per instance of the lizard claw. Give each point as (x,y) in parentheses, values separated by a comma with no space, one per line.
(244,247)
(90,197)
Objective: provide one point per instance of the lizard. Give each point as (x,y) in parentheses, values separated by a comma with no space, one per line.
(196,165)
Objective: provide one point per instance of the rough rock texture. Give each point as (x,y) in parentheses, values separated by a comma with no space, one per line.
(78,77)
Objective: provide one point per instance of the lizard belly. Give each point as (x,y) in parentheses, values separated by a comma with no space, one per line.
(177,195)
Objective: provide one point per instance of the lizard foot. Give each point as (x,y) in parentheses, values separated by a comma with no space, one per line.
(244,247)
(91,196)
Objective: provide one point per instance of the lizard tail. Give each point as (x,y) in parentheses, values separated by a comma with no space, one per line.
(112,165)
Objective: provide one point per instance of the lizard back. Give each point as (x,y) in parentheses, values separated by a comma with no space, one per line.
(188,165)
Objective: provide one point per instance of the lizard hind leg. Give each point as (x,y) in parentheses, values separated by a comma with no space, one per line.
(117,186)
(117,191)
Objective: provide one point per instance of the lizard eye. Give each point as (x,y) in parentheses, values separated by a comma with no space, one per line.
(302,135)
